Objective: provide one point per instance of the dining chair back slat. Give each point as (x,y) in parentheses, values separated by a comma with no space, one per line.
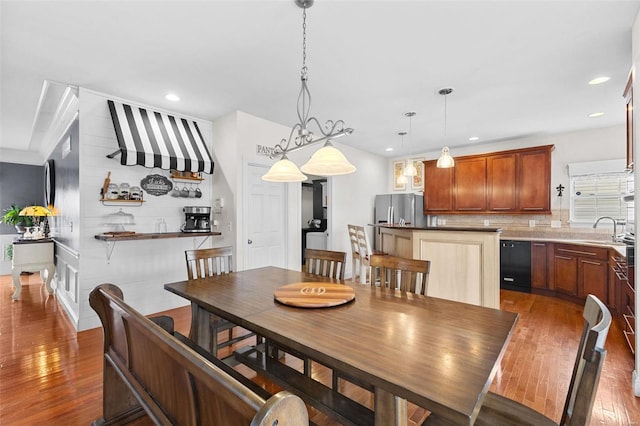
(325,263)
(209,262)
(411,275)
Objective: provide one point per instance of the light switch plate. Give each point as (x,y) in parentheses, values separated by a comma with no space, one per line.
(532,223)
(556,224)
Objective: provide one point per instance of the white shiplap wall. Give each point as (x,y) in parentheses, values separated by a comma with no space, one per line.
(139,268)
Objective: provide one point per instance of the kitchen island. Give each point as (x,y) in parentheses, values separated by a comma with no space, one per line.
(465,261)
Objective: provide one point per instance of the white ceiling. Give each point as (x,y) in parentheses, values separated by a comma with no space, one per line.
(519,68)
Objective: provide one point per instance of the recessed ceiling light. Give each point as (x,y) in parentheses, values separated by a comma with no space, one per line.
(389,149)
(172,97)
(474,138)
(596,114)
(599,80)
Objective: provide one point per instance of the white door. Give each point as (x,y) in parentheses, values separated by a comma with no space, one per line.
(265,219)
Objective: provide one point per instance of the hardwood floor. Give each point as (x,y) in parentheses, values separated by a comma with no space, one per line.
(49,374)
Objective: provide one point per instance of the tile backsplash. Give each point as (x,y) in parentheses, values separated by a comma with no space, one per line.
(555,225)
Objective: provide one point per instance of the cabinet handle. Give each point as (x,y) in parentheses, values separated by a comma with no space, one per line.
(508,279)
(501,208)
(533,208)
(592,263)
(586,253)
(562,257)
(539,244)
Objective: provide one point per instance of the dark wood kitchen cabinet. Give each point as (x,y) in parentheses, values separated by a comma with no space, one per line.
(534,181)
(539,264)
(507,182)
(501,183)
(438,188)
(581,270)
(470,182)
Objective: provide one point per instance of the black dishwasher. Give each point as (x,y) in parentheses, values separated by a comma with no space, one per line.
(515,265)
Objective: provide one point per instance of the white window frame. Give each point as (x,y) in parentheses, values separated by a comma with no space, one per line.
(599,171)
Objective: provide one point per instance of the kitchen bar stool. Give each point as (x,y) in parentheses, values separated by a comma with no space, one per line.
(361,253)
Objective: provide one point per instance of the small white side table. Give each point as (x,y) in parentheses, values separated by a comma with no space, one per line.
(32,256)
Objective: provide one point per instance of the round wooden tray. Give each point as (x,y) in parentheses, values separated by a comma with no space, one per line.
(314,294)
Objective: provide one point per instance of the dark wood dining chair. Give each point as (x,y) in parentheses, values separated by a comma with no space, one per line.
(498,410)
(411,275)
(208,263)
(326,263)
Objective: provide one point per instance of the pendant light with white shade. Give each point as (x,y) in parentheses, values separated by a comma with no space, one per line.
(327,161)
(446,160)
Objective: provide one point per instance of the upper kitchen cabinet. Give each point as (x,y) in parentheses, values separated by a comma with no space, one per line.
(507,182)
(470,182)
(501,183)
(438,188)
(628,96)
(534,180)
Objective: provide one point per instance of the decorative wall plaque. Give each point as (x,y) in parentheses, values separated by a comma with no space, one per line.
(156,185)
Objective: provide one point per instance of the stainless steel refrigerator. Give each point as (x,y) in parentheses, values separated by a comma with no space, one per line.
(396,209)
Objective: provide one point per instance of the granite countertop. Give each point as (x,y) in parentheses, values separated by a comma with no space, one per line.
(596,240)
(438,228)
(575,237)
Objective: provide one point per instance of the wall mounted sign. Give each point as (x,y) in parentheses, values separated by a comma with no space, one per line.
(156,185)
(264,150)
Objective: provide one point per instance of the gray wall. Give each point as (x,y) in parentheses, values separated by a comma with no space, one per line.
(20,184)
(65,227)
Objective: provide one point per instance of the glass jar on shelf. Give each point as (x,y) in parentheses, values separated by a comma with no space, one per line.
(112,192)
(125,191)
(135,193)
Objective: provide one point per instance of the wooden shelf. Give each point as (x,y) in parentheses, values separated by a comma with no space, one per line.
(178,176)
(108,202)
(154,236)
(190,179)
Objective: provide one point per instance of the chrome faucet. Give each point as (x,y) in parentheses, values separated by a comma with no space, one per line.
(614,237)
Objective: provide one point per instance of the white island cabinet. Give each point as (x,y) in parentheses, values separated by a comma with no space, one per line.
(465,262)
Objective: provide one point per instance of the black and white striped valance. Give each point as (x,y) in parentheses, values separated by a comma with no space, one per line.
(153,139)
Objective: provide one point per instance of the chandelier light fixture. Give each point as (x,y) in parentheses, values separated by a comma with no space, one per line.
(410,170)
(446,160)
(327,161)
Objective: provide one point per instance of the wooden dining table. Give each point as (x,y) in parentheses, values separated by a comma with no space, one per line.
(439,354)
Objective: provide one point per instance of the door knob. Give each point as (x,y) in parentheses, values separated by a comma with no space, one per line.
(249,242)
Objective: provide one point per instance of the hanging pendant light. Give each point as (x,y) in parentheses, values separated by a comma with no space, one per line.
(409,170)
(446,160)
(284,170)
(328,161)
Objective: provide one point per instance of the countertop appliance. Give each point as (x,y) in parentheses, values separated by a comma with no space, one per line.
(196,219)
(398,208)
(515,265)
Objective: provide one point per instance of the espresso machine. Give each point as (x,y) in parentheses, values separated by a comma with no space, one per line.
(196,219)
